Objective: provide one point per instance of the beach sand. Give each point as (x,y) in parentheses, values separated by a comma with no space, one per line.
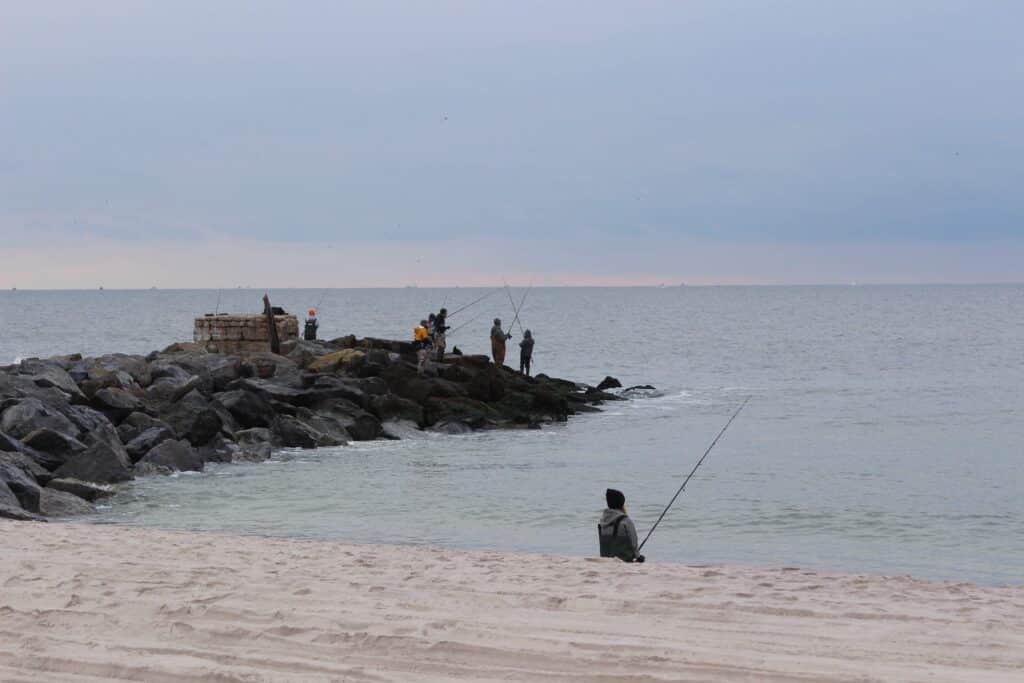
(97,603)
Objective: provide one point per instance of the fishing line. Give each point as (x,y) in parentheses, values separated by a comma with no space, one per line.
(692,472)
(475,301)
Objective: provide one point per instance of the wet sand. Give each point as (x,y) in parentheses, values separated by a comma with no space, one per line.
(97,603)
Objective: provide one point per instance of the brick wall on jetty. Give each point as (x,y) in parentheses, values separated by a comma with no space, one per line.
(230,333)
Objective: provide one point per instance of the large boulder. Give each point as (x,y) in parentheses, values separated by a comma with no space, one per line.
(194,418)
(168,390)
(147,441)
(136,423)
(57,447)
(607,383)
(391,407)
(9,444)
(295,433)
(88,420)
(83,489)
(250,409)
(54,503)
(29,414)
(28,465)
(10,511)
(254,445)
(51,374)
(117,404)
(24,487)
(474,414)
(104,461)
(171,456)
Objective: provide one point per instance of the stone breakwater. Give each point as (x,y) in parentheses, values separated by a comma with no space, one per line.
(73,428)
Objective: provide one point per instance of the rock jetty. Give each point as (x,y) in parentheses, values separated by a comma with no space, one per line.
(72,428)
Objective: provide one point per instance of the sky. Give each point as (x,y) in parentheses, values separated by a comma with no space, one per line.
(318,144)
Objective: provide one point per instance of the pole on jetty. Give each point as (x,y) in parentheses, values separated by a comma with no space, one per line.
(275,341)
(692,472)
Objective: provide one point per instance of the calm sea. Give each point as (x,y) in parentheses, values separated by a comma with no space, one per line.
(885,431)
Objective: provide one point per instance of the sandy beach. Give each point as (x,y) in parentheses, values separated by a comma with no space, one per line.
(98,603)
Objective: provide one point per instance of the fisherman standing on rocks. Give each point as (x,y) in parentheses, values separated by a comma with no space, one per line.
(498,339)
(616,532)
(525,353)
(421,340)
(440,327)
(311,326)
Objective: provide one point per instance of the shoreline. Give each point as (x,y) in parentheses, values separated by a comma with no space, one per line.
(86,602)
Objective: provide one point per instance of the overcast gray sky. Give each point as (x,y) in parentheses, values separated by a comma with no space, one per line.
(383,143)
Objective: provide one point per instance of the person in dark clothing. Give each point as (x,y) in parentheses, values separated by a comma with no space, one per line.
(616,532)
(440,327)
(311,326)
(525,353)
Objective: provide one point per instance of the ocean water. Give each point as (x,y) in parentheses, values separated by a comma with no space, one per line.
(885,430)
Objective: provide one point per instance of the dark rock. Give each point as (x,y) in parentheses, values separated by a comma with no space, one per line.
(254,445)
(87,419)
(346,342)
(19,514)
(28,415)
(194,419)
(27,465)
(594,395)
(305,352)
(475,414)
(116,404)
(8,499)
(45,460)
(164,369)
(136,423)
(267,365)
(57,446)
(609,383)
(166,390)
(391,407)
(147,441)
(24,487)
(49,374)
(171,456)
(83,489)
(250,409)
(105,461)
(331,426)
(54,503)
(295,433)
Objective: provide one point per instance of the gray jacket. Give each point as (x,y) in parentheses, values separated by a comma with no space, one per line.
(624,543)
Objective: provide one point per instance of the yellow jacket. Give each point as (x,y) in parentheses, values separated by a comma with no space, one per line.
(420,334)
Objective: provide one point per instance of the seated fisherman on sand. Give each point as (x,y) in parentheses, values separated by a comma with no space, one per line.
(615,531)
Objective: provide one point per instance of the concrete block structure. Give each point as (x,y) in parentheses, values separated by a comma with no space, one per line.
(239,334)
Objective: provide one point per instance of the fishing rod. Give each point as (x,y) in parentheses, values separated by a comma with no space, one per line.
(520,309)
(475,301)
(216,310)
(473,319)
(692,472)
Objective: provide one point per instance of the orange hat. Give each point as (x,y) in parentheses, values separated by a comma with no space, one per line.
(312,312)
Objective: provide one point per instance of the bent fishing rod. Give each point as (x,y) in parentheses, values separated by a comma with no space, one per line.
(474,302)
(692,472)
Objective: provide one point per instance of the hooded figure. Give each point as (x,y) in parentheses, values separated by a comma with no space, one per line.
(526,353)
(615,531)
(498,339)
